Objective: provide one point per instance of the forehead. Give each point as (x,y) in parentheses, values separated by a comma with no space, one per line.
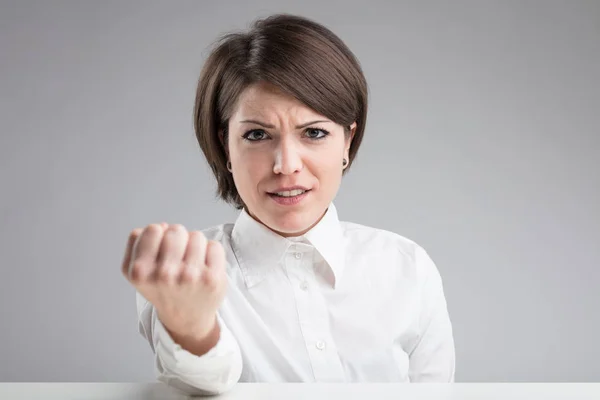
(267,101)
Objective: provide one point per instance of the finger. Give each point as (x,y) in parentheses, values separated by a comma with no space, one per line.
(193,260)
(215,255)
(170,255)
(215,263)
(129,250)
(144,253)
(196,249)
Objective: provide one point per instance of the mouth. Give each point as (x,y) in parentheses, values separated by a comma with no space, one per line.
(289,196)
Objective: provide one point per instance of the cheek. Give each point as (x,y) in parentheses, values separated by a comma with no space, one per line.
(327,169)
(328,161)
(251,167)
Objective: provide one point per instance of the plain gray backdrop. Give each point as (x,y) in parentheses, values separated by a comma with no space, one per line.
(482,145)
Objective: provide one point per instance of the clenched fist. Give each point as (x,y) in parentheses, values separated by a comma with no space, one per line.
(180,274)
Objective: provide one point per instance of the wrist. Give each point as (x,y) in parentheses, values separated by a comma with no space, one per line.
(196,331)
(199,340)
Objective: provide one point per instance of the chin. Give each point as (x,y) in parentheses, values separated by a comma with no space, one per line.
(290,224)
(293,221)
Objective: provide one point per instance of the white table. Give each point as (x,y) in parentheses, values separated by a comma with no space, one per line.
(294,391)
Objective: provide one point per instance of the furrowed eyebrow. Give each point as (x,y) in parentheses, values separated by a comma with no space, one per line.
(253,121)
(309,123)
(265,125)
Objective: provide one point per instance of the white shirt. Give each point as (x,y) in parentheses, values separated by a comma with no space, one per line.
(342,303)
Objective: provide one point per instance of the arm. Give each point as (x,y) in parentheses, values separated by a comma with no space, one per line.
(432,359)
(214,371)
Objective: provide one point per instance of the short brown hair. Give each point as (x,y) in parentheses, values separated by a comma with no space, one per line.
(302,58)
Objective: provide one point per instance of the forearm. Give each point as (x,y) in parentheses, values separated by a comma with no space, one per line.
(191,365)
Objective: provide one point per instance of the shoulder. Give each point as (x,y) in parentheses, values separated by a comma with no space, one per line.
(400,250)
(369,236)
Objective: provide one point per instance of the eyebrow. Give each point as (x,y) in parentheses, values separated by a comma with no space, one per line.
(265,125)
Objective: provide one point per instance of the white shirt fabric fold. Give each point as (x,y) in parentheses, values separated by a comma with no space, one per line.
(342,303)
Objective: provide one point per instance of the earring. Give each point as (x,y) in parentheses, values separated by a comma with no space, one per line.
(345,162)
(229,166)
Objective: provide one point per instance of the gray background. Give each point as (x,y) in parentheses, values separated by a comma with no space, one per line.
(482,145)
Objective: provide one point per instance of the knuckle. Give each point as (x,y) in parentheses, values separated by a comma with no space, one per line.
(167,272)
(215,243)
(177,228)
(154,228)
(135,232)
(170,244)
(138,270)
(210,280)
(197,236)
(190,274)
(214,247)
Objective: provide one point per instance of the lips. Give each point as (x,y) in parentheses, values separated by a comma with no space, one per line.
(289,197)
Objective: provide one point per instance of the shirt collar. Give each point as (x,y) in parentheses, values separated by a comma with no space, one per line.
(259,250)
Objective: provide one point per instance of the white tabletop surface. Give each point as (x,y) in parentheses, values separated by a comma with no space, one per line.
(293,391)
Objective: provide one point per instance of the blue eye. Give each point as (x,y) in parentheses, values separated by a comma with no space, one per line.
(316,133)
(255,135)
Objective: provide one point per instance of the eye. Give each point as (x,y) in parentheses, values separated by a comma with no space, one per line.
(255,135)
(316,133)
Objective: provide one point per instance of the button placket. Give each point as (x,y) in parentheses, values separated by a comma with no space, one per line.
(312,314)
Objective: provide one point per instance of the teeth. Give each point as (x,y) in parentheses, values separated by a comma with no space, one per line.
(291,193)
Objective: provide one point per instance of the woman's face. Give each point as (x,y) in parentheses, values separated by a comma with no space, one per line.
(286,159)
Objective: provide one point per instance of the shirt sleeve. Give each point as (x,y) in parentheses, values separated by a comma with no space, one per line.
(212,373)
(433,357)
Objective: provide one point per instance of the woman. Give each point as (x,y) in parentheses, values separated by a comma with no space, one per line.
(287,293)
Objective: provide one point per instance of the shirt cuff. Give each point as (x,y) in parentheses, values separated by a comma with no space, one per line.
(217,361)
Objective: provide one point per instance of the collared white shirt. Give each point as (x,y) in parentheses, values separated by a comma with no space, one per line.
(342,303)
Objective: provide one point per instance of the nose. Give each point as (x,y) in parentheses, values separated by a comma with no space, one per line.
(287,158)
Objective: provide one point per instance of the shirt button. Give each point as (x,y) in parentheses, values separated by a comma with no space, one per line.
(298,255)
(304,286)
(320,345)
